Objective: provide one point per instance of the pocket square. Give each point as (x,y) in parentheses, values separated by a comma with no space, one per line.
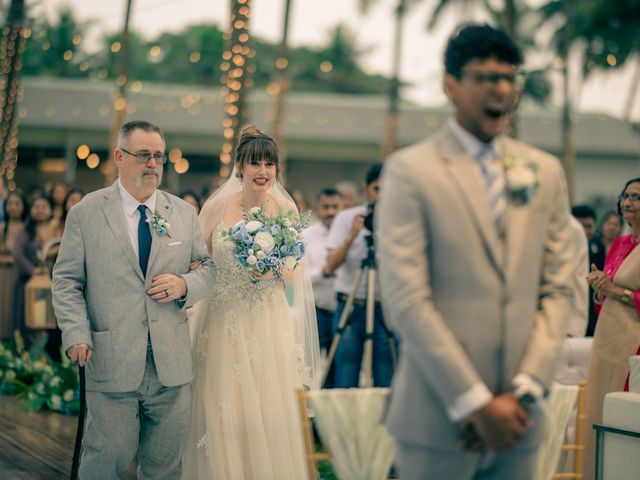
(173,244)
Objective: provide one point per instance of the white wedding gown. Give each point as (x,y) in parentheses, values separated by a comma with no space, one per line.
(245,422)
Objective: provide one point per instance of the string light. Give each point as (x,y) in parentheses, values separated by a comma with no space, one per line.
(14,37)
(235,67)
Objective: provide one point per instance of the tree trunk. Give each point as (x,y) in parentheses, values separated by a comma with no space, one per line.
(14,38)
(283,83)
(120,100)
(236,78)
(393,118)
(568,154)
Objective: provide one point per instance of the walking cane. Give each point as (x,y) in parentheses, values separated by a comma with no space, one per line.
(75,463)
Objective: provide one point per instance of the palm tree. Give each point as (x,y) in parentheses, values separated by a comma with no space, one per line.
(12,48)
(283,83)
(120,101)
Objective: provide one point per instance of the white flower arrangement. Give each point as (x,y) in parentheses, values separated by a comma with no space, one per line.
(265,244)
(160,224)
(521,178)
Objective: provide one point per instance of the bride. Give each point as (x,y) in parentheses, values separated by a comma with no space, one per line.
(255,341)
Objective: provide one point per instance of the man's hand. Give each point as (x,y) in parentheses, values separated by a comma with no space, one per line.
(166,288)
(499,424)
(80,352)
(356,226)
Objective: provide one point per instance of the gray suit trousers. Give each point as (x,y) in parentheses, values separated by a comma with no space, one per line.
(416,462)
(152,420)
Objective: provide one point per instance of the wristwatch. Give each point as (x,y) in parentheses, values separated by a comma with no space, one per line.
(524,396)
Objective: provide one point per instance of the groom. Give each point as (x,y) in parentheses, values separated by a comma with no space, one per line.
(475,272)
(121,284)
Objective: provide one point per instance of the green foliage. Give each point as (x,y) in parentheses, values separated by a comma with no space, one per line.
(41,383)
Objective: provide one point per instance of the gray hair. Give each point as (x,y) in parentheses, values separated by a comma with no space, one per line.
(129,127)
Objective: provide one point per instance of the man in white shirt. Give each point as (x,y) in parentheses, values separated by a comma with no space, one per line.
(328,204)
(347,249)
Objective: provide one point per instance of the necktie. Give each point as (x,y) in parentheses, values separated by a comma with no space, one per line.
(144,239)
(495,183)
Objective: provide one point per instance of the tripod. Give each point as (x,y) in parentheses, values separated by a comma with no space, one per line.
(368,264)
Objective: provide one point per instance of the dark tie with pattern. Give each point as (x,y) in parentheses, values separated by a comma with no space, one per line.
(144,239)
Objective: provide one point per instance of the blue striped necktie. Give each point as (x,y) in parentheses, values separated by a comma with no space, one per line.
(144,239)
(494,182)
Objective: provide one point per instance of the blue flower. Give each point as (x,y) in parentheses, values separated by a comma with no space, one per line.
(284,250)
(161,231)
(275,229)
(260,266)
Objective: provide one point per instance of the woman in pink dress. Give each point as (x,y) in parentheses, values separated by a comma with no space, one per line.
(617,335)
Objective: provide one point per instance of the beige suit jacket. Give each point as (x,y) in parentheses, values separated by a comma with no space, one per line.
(99,291)
(468,305)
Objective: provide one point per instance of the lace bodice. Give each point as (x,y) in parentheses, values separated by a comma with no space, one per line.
(233,282)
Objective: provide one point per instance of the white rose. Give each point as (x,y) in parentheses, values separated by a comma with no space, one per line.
(251,259)
(265,240)
(250,252)
(289,262)
(253,226)
(161,222)
(520,177)
(261,255)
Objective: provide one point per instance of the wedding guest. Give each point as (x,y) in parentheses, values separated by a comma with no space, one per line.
(16,211)
(610,229)
(475,271)
(328,204)
(27,253)
(347,248)
(349,192)
(57,194)
(191,198)
(617,336)
(74,195)
(587,217)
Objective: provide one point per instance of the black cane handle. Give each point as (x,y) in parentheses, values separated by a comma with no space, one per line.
(75,464)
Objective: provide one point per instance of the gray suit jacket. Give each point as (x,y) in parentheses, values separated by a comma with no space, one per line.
(99,291)
(468,305)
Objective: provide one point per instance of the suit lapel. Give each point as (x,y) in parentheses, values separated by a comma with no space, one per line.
(164,208)
(464,172)
(114,214)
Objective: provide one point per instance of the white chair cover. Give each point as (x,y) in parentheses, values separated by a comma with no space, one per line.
(560,403)
(349,424)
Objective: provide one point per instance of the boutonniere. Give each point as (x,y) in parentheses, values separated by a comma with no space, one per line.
(160,224)
(522,179)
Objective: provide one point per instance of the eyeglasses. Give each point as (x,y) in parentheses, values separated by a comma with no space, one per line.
(493,78)
(634,197)
(144,157)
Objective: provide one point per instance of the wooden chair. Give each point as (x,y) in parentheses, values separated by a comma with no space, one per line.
(312,455)
(577,447)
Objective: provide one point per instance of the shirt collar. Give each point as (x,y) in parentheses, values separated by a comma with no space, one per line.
(471,144)
(130,204)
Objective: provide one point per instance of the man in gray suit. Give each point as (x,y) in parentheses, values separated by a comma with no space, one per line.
(476,277)
(121,284)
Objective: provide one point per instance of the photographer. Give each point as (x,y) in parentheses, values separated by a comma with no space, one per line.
(347,248)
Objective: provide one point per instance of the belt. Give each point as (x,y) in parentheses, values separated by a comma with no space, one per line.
(342,297)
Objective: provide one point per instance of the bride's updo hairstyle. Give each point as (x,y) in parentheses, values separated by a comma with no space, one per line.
(255,145)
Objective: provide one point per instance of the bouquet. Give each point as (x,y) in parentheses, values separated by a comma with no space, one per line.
(264,244)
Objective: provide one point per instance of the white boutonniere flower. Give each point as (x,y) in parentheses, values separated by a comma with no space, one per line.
(160,224)
(522,181)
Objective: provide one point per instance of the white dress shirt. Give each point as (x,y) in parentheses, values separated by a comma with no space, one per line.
(132,215)
(479,394)
(347,272)
(315,237)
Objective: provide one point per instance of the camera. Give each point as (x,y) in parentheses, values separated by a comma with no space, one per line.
(368,219)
